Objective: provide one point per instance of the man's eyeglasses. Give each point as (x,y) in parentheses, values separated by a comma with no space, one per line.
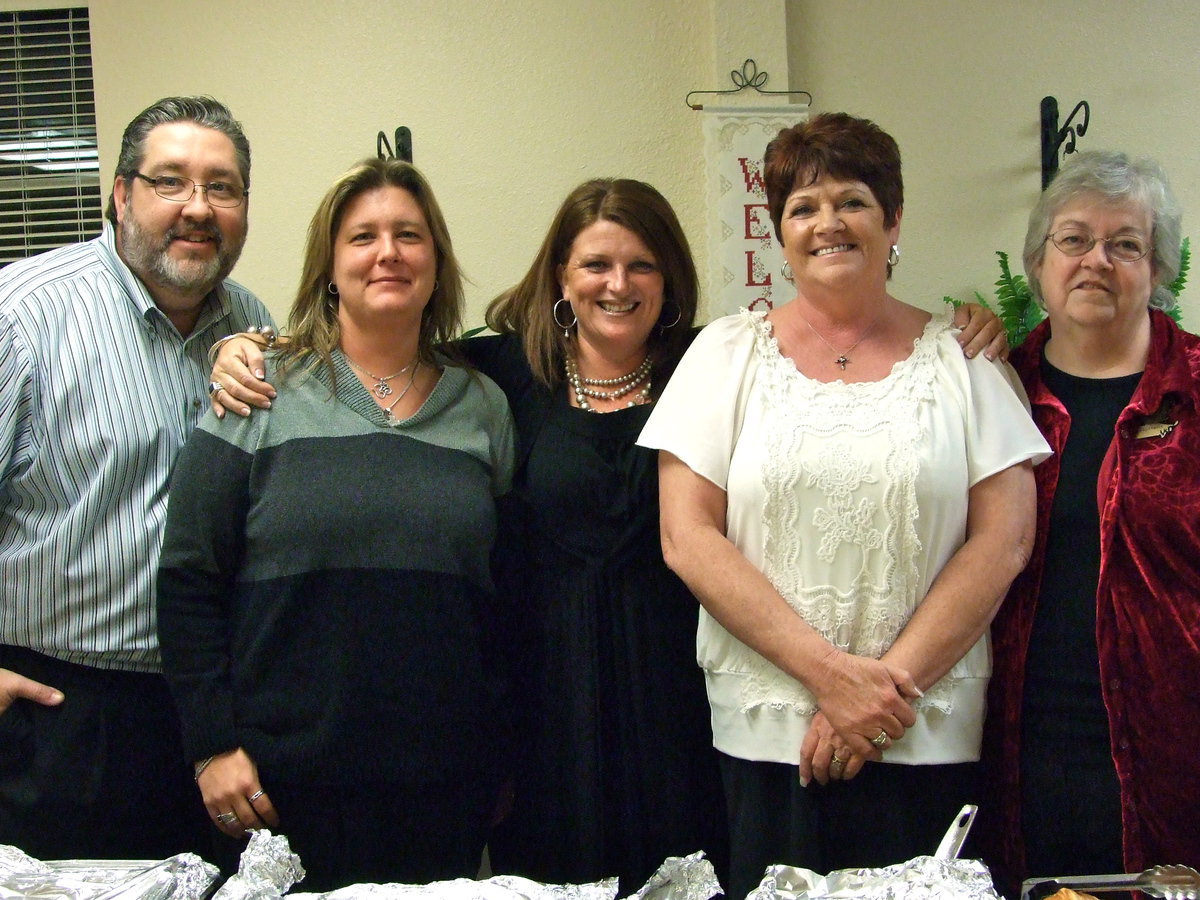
(1077,241)
(181,190)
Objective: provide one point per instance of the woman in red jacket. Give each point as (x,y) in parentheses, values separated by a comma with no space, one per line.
(1095,699)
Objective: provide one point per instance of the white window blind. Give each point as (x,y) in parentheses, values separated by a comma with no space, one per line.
(49,168)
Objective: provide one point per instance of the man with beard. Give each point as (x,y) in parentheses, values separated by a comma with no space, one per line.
(103,376)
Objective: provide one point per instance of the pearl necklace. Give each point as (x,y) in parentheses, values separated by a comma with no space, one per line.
(381,386)
(622,385)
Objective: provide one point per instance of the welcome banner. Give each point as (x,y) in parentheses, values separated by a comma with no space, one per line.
(744,257)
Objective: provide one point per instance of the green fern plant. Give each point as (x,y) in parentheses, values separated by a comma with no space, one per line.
(1020,313)
(1015,306)
(1176,287)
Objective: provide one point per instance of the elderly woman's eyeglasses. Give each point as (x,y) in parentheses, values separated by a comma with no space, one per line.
(181,190)
(1078,241)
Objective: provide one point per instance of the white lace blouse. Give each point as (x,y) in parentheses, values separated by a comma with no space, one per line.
(850,498)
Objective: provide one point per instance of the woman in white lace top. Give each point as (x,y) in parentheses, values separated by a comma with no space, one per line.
(849,498)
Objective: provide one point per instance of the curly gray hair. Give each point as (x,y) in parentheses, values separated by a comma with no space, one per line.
(1113,178)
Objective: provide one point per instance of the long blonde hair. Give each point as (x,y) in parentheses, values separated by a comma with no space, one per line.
(313,320)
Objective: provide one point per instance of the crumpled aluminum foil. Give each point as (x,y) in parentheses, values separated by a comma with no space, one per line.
(267,869)
(679,878)
(498,887)
(921,878)
(16,862)
(181,877)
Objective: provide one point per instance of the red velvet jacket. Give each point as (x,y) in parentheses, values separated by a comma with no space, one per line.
(1147,613)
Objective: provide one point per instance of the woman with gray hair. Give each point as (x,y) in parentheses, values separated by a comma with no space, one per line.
(1091,736)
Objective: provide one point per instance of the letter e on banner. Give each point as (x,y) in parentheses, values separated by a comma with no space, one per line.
(756,229)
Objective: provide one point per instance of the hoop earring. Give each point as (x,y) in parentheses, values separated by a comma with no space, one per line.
(786,271)
(332,288)
(574,318)
(678,316)
(894,256)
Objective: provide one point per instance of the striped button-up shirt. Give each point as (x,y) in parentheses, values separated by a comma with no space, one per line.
(98,393)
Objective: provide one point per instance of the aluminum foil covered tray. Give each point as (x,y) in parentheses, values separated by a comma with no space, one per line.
(921,878)
(182,877)
(268,870)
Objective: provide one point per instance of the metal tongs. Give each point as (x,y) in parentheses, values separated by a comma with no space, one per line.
(1165,882)
(957,833)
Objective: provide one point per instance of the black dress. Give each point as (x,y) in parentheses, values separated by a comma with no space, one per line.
(614,767)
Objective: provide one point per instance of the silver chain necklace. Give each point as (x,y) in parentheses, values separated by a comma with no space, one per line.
(387,411)
(843,355)
(381,388)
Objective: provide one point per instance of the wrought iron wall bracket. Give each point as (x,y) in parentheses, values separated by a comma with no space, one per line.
(1054,137)
(403,149)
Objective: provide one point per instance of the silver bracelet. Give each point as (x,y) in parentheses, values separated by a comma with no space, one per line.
(264,331)
(201,766)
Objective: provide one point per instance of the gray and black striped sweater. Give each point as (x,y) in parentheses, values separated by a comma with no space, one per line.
(324,595)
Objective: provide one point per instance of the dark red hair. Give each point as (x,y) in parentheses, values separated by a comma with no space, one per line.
(840,146)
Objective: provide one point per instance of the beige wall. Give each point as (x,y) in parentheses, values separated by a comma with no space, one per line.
(958,84)
(511,103)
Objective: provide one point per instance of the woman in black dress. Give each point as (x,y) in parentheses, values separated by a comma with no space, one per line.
(615,769)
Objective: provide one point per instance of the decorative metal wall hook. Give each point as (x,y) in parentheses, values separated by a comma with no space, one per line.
(1053,137)
(748,77)
(403,145)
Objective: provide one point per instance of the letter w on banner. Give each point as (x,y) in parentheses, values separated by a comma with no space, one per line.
(743,254)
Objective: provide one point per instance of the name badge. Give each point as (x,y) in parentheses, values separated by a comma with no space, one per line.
(1155,429)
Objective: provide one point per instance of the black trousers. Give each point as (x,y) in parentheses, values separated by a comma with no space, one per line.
(100,776)
(383,833)
(1068,776)
(887,814)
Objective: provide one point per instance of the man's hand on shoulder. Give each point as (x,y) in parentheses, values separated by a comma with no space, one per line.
(14,686)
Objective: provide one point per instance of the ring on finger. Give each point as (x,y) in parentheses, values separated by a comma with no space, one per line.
(254,796)
(841,762)
(881,739)
(215,387)
(227,818)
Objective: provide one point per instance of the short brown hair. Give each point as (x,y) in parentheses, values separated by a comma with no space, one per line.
(842,147)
